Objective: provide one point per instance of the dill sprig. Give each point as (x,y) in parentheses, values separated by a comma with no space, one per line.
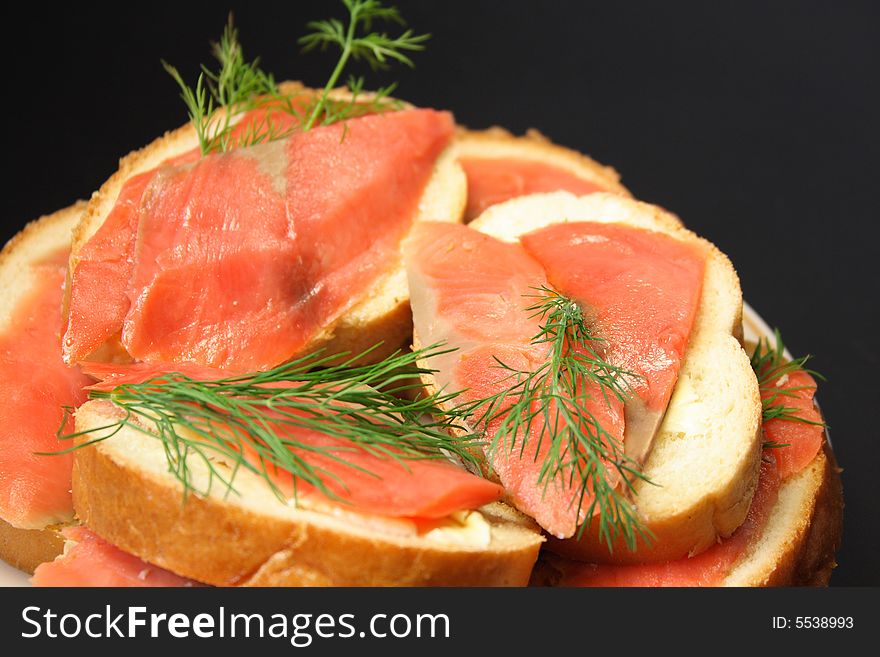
(220,422)
(555,398)
(770,366)
(359,42)
(221,96)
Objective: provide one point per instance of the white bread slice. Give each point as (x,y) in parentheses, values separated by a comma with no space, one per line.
(27,548)
(382,315)
(797,545)
(498,143)
(123,492)
(705,459)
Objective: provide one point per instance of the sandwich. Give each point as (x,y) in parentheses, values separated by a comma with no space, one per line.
(323,337)
(395,169)
(668,304)
(631,500)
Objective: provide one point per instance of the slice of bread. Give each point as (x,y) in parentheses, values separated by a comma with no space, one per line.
(797,545)
(39,239)
(498,143)
(124,492)
(27,548)
(803,532)
(705,458)
(383,315)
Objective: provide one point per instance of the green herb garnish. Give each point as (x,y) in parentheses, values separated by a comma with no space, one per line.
(770,365)
(220,97)
(379,408)
(554,398)
(359,42)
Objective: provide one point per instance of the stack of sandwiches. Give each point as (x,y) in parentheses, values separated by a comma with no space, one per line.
(390,351)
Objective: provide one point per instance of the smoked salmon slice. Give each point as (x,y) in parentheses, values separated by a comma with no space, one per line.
(238,260)
(97,303)
(355,478)
(91,561)
(429,489)
(470,292)
(35,385)
(643,288)
(495,180)
(798,441)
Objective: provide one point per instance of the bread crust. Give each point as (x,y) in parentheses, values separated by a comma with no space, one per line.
(382,316)
(26,549)
(243,541)
(818,553)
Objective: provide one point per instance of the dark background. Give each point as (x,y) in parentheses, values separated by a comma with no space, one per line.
(756,122)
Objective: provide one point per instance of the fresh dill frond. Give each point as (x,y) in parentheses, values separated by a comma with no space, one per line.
(357,41)
(771,366)
(251,421)
(237,86)
(237,81)
(220,96)
(555,399)
(358,103)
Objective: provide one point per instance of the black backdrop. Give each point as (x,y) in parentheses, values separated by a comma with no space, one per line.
(756,122)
